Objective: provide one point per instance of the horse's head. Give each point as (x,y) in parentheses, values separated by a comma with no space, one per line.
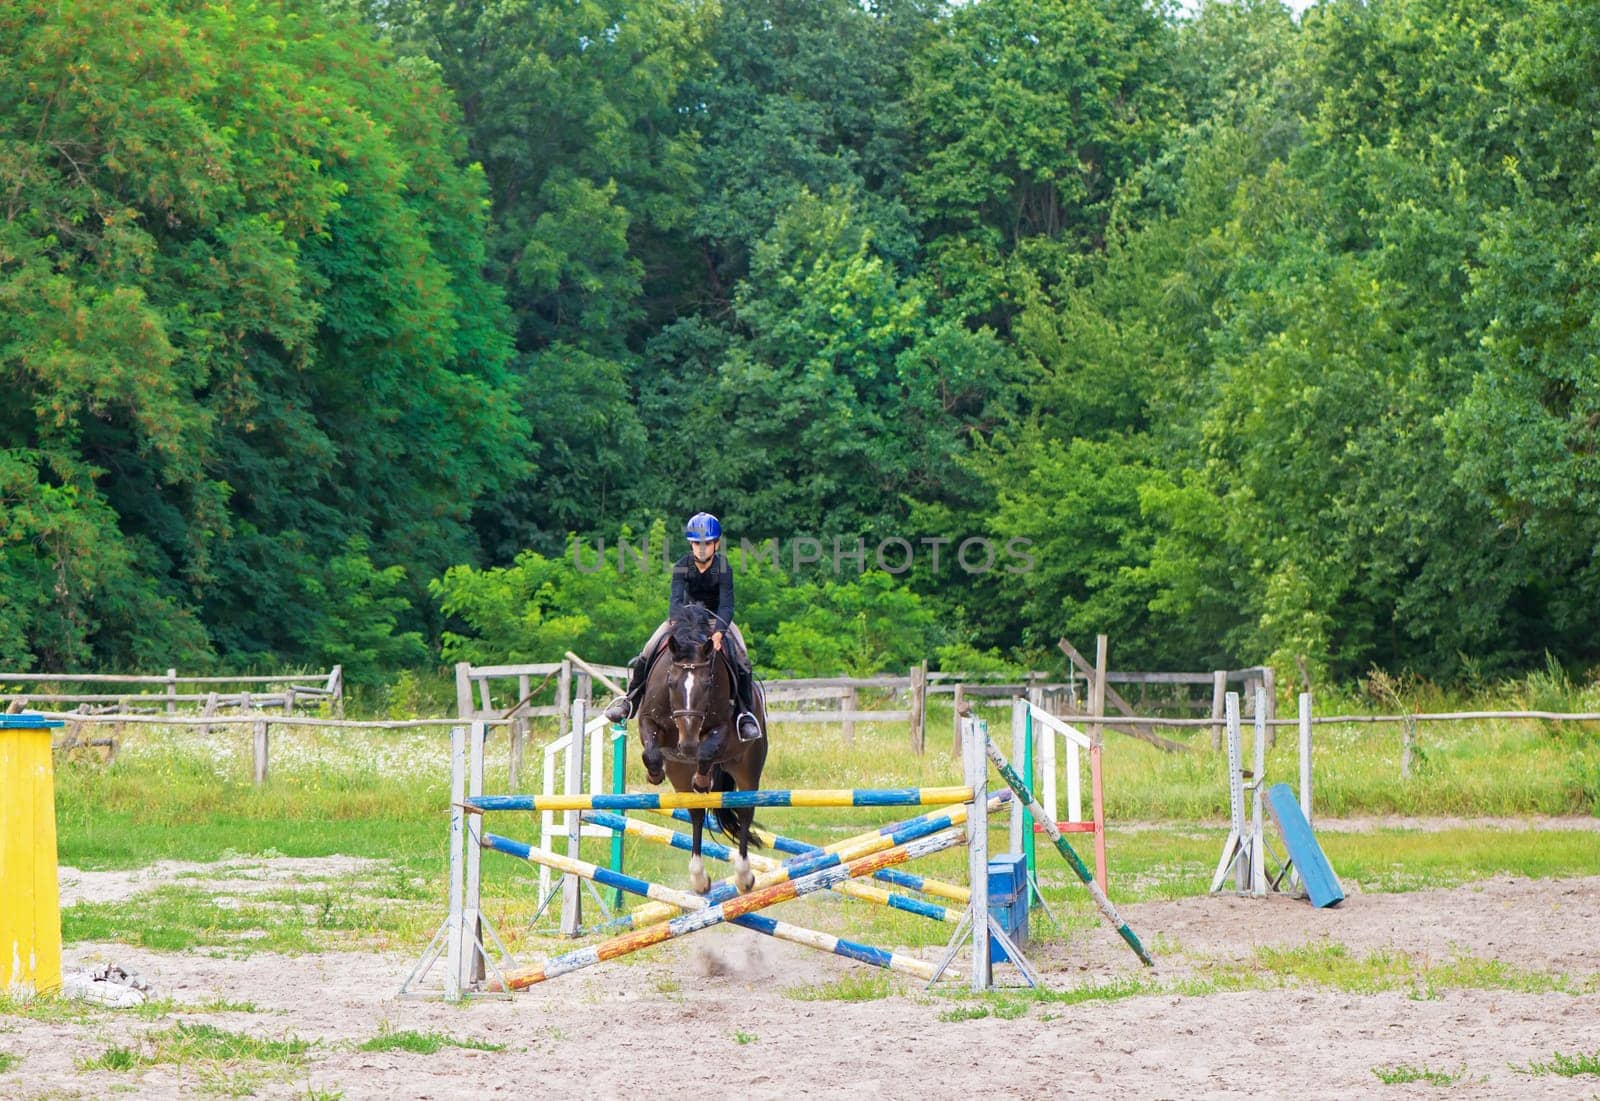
(693,684)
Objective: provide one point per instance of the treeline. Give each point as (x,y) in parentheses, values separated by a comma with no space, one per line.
(328,329)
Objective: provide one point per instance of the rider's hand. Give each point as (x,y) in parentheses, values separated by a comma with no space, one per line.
(716,640)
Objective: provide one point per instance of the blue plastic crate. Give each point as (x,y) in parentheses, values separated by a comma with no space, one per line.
(1008,875)
(1014,920)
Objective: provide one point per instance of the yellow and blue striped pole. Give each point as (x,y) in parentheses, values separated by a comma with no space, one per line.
(798,866)
(936,887)
(729,800)
(717,851)
(687,902)
(524,977)
(30,899)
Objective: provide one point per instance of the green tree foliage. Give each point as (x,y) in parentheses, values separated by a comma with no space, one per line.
(1271,334)
(804,96)
(840,393)
(361,605)
(244,322)
(572,111)
(1526,439)
(1028,116)
(604,602)
(1316,315)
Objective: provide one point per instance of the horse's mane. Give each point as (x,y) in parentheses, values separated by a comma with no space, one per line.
(693,627)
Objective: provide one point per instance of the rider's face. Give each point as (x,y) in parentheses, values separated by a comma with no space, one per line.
(703,552)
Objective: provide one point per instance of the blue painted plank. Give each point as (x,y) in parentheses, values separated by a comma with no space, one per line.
(1321,885)
(27,721)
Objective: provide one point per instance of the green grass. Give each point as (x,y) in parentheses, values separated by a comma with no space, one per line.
(1400,1075)
(965,1013)
(1006,1006)
(223,1005)
(382,796)
(1497,769)
(745,1037)
(184,1043)
(1334,967)
(223,1062)
(862,986)
(46,1009)
(8,1061)
(1567,1066)
(422,1043)
(291,921)
(1321,967)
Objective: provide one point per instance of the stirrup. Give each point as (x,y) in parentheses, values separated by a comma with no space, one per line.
(627,709)
(738,727)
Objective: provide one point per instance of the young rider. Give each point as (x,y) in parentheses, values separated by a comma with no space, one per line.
(704,577)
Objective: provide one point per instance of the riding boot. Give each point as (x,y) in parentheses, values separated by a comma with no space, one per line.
(744,684)
(625,706)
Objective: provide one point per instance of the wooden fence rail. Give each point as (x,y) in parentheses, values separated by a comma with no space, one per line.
(261,723)
(298,688)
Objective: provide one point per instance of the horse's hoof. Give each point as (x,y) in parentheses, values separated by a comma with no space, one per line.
(701,782)
(743,877)
(655,777)
(697,876)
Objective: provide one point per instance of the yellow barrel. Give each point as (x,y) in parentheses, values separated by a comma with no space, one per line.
(30,900)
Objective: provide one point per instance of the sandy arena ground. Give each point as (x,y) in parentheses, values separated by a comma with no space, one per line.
(672,1019)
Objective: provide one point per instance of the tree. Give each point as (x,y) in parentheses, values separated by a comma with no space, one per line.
(573,111)
(1028,116)
(245,322)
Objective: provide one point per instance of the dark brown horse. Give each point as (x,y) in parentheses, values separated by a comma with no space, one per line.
(686,725)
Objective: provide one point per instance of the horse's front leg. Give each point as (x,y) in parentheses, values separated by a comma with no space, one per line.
(743,877)
(697,869)
(655,766)
(706,759)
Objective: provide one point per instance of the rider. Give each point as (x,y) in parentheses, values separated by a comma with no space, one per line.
(704,577)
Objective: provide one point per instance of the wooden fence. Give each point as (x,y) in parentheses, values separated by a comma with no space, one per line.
(297,688)
(261,722)
(506,693)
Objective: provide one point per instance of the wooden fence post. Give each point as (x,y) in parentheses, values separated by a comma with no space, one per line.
(1097,690)
(519,732)
(209,710)
(1269,683)
(1219,689)
(172,691)
(850,701)
(336,686)
(955,744)
(919,707)
(259,754)
(563,694)
(464,691)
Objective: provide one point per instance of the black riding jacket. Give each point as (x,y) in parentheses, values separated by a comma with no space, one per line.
(712,588)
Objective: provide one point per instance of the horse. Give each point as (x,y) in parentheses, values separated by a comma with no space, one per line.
(686,727)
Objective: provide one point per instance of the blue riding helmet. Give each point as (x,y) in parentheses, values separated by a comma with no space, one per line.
(702,528)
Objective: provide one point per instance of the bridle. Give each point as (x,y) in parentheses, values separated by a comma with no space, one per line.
(689,667)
